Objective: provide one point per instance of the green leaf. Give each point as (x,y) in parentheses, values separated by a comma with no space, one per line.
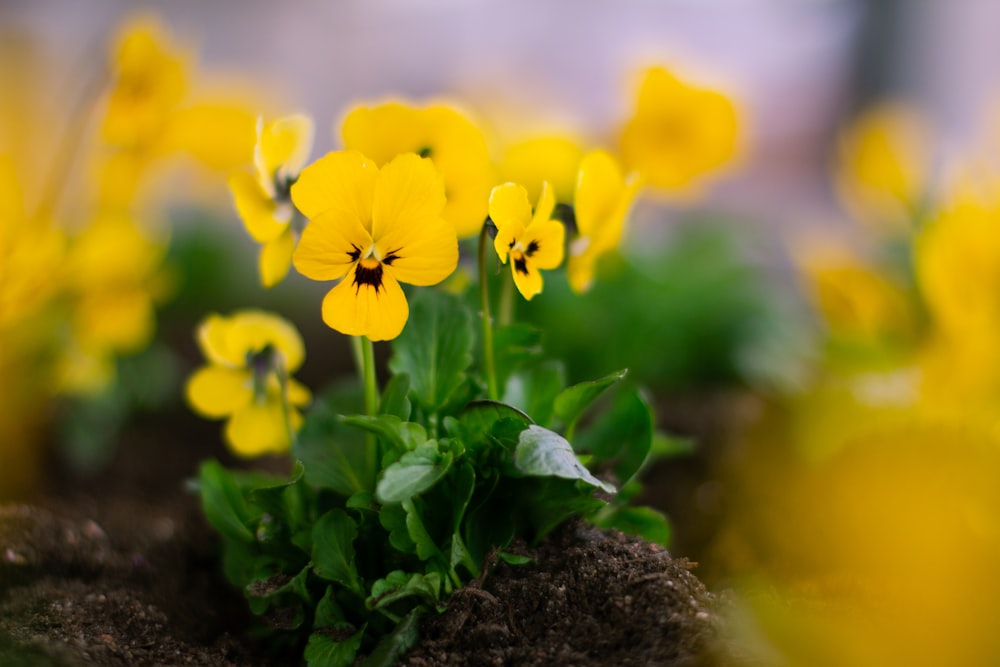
(475,423)
(223,504)
(515,559)
(393,519)
(435,348)
(515,346)
(535,389)
(399,584)
(403,436)
(666,446)
(573,401)
(394,646)
(413,473)
(622,436)
(271,498)
(334,457)
(415,528)
(281,592)
(328,612)
(544,453)
(645,522)
(324,649)
(333,549)
(395,399)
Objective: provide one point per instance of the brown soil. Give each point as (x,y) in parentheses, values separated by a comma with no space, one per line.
(122,570)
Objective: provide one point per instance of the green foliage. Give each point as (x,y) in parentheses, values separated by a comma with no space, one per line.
(384,515)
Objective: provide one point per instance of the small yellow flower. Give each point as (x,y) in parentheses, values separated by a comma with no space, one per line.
(679,132)
(372,229)
(882,166)
(251,357)
(603,199)
(443,134)
(263,200)
(532,241)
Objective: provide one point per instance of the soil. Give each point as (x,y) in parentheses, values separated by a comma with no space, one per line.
(121,569)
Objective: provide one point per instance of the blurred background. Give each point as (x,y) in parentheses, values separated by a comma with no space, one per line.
(817,316)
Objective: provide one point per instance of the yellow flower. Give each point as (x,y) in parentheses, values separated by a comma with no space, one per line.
(882,166)
(372,228)
(251,357)
(679,132)
(532,241)
(603,199)
(455,145)
(263,200)
(534,161)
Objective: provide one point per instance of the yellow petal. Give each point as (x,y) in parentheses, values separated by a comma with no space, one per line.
(257,210)
(283,146)
(259,428)
(506,238)
(546,204)
(213,339)
(219,134)
(214,391)
(509,204)
(580,269)
(552,159)
(527,279)
(254,330)
(409,193)
(276,258)
(330,245)
(384,131)
(410,234)
(599,187)
(342,181)
(545,239)
(358,309)
(298,394)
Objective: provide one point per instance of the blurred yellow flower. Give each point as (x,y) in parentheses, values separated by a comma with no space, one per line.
(679,132)
(603,199)
(446,136)
(251,357)
(533,241)
(551,159)
(881,170)
(263,199)
(372,229)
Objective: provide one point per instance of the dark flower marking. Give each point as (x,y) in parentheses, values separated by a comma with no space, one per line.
(354,254)
(531,249)
(391,257)
(521,265)
(368,275)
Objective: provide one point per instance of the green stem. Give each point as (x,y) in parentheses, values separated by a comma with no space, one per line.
(484,293)
(371,382)
(506,301)
(286,409)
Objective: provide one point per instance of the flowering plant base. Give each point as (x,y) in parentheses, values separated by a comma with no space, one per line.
(112,573)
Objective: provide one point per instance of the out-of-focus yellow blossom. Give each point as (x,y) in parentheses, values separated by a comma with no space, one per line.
(858,303)
(372,229)
(263,199)
(881,172)
(603,199)
(533,241)
(454,143)
(115,278)
(679,132)
(531,162)
(31,254)
(251,357)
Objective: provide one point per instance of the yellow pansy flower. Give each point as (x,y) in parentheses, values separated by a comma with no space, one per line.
(531,162)
(679,132)
(882,165)
(372,229)
(251,357)
(603,199)
(533,241)
(453,142)
(263,200)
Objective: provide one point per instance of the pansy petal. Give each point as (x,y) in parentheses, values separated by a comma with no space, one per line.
(258,428)
(509,205)
(527,279)
(276,258)
(409,194)
(330,245)
(213,339)
(283,146)
(258,211)
(506,238)
(254,330)
(356,308)
(546,204)
(214,391)
(386,130)
(545,241)
(424,258)
(298,394)
(343,181)
(598,190)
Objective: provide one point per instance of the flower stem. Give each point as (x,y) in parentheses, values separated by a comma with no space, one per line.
(372,455)
(484,292)
(506,315)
